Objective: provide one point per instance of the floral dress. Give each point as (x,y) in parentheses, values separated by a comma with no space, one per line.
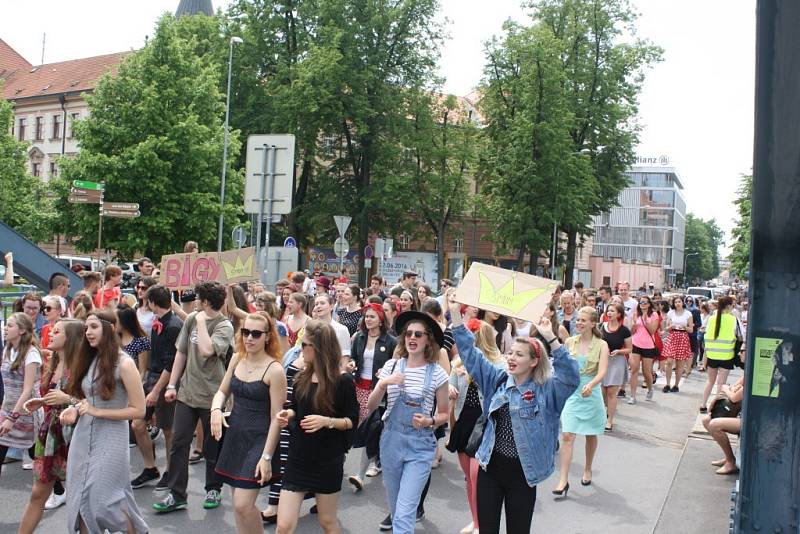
(52,443)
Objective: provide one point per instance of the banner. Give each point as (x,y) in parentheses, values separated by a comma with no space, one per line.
(325,261)
(508,293)
(422,263)
(184,271)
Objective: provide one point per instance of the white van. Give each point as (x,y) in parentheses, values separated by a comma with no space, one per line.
(705,292)
(89,264)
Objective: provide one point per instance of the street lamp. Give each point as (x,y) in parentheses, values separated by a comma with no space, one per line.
(234,40)
(684,264)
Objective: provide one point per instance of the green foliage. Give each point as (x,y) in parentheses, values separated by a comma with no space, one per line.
(701,246)
(740,253)
(24,204)
(154,136)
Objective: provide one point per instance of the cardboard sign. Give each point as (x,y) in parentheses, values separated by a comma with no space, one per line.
(509,293)
(183,271)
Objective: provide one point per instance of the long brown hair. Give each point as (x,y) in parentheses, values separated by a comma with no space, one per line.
(722,303)
(107,355)
(73,330)
(27,339)
(431,349)
(272,346)
(325,365)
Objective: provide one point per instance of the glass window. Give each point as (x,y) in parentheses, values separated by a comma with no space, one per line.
(56,127)
(655,217)
(39,128)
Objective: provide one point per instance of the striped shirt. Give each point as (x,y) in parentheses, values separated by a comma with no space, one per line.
(413,384)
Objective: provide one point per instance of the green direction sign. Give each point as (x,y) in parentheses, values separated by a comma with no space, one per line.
(82,184)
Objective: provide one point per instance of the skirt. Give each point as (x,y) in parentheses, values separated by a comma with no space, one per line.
(677,346)
(462,430)
(617,371)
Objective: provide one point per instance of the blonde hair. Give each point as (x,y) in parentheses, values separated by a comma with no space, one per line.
(485,341)
(541,373)
(593,317)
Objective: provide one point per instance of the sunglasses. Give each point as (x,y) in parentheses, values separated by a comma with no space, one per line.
(141,287)
(255,334)
(48,308)
(415,333)
(304,344)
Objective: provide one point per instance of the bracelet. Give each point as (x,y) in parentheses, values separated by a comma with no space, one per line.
(170,386)
(266,457)
(14,416)
(212,409)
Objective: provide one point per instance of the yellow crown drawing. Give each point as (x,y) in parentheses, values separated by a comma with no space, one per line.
(238,269)
(505,296)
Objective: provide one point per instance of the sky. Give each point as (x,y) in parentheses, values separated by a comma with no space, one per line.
(696,106)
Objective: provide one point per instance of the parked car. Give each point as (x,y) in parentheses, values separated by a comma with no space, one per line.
(90,264)
(706,292)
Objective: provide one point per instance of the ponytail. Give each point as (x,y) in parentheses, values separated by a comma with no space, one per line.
(722,305)
(591,311)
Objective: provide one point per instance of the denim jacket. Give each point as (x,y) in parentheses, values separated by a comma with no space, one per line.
(535,409)
(461,383)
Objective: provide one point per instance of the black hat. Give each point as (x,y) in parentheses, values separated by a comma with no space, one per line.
(404,318)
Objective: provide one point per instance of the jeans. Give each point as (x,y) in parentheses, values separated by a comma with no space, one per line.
(182,435)
(504,481)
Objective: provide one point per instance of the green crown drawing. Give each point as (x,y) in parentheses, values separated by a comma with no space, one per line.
(505,296)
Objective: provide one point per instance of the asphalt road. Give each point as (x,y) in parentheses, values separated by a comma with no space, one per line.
(634,470)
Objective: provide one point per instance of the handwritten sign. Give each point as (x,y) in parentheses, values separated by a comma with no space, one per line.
(184,271)
(509,293)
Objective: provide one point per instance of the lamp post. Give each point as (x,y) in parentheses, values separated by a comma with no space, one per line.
(234,40)
(685,255)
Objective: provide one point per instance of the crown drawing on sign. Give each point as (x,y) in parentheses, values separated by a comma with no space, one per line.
(239,268)
(505,297)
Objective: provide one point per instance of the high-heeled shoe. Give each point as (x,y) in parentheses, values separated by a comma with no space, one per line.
(562,493)
(586,482)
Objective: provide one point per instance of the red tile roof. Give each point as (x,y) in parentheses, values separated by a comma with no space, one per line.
(21,79)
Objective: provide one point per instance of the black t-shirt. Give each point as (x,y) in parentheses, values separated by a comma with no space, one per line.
(615,339)
(162,343)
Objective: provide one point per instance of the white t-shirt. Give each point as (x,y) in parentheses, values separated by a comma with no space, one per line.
(343,335)
(145,318)
(630,307)
(679,320)
(32,357)
(366,367)
(413,384)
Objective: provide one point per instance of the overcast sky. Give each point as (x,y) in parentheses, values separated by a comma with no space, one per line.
(696,106)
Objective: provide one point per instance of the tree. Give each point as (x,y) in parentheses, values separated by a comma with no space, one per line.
(740,253)
(154,136)
(701,247)
(24,204)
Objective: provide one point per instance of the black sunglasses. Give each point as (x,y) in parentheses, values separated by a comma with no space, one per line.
(48,308)
(141,287)
(256,334)
(416,333)
(304,344)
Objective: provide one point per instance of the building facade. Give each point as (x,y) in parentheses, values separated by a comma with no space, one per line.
(642,240)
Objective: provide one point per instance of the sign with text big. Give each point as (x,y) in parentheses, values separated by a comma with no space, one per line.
(509,293)
(183,271)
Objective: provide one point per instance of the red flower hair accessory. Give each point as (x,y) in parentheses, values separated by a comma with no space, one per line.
(474,325)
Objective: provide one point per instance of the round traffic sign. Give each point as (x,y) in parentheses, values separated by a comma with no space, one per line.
(368,252)
(341,247)
(239,236)
(289,242)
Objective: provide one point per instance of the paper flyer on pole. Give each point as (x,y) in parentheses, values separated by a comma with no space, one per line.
(183,271)
(766,377)
(509,293)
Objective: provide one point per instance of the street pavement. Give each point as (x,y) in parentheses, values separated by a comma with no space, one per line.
(649,476)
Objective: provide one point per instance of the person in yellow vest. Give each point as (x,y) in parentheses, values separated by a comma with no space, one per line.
(720,339)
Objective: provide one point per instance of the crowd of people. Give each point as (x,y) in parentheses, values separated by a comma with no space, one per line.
(272,390)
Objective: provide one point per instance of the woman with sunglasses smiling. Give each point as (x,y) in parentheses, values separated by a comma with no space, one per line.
(644,353)
(259,387)
(524,405)
(144,315)
(324,409)
(109,391)
(411,384)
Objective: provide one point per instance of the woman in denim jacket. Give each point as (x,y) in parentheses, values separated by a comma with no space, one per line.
(519,441)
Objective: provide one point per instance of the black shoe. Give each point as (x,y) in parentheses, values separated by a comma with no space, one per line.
(666,389)
(147,476)
(562,493)
(386,524)
(313,510)
(195,457)
(621,393)
(420,513)
(269,519)
(162,484)
(674,389)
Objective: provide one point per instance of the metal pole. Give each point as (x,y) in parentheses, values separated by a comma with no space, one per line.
(273,153)
(100,231)
(553,255)
(225,152)
(261,199)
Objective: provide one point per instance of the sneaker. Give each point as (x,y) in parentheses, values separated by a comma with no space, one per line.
(386,524)
(674,389)
(357,483)
(420,513)
(213,499)
(27,466)
(147,476)
(621,394)
(649,394)
(313,510)
(162,484)
(373,470)
(631,400)
(54,501)
(666,389)
(195,457)
(169,504)
(155,432)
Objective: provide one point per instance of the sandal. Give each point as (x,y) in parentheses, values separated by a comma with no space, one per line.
(723,471)
(609,428)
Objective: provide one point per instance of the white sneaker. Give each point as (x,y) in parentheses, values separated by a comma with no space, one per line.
(27,466)
(54,501)
(468,529)
(631,400)
(373,470)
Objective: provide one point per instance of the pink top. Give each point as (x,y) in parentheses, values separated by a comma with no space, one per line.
(641,336)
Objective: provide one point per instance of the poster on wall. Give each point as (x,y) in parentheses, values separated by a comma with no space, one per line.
(325,261)
(184,271)
(422,263)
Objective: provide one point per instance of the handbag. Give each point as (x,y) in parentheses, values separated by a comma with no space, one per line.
(724,407)
(657,341)
(476,437)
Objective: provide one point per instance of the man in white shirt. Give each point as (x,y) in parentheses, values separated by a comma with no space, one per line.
(624,288)
(323,309)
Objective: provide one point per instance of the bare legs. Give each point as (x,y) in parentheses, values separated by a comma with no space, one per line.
(33,511)
(289,510)
(591,449)
(470,467)
(635,363)
(647,371)
(716,376)
(248,518)
(565,458)
(719,429)
(610,398)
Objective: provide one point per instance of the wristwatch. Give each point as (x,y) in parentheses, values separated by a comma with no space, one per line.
(266,457)
(170,386)
(330,423)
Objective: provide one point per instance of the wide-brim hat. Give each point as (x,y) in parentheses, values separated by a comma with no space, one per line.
(406,317)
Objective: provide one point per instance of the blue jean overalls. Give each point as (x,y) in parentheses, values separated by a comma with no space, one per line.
(406,455)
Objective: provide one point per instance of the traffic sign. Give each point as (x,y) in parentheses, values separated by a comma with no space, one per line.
(255,169)
(341,247)
(121,206)
(239,236)
(342,222)
(77,199)
(290,242)
(120,214)
(368,252)
(85,192)
(83,184)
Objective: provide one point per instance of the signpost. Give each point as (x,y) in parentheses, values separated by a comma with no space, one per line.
(239,236)
(120,214)
(368,254)
(289,242)
(92,186)
(341,246)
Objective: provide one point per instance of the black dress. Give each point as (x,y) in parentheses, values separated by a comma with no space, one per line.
(316,459)
(246,434)
(462,429)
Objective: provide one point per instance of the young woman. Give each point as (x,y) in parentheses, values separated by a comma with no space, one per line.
(390,310)
(267,302)
(644,353)
(720,427)
(423,294)
(705,313)
(349,313)
(467,409)
(407,302)
(523,405)
(134,341)
(618,338)
(107,382)
(256,380)
(20,378)
(143,314)
(677,348)
(584,413)
(297,319)
(324,408)
(411,383)
(720,340)
(285,294)
(50,458)
(81,306)
(372,347)
(551,314)
(504,329)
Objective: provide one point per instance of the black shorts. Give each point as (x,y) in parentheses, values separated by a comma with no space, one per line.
(720,364)
(645,353)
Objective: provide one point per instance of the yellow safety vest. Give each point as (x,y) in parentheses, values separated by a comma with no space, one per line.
(721,347)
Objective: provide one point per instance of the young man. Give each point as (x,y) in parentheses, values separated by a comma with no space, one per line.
(578,287)
(110,294)
(91,282)
(624,289)
(163,336)
(59,288)
(605,296)
(199,365)
(376,287)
